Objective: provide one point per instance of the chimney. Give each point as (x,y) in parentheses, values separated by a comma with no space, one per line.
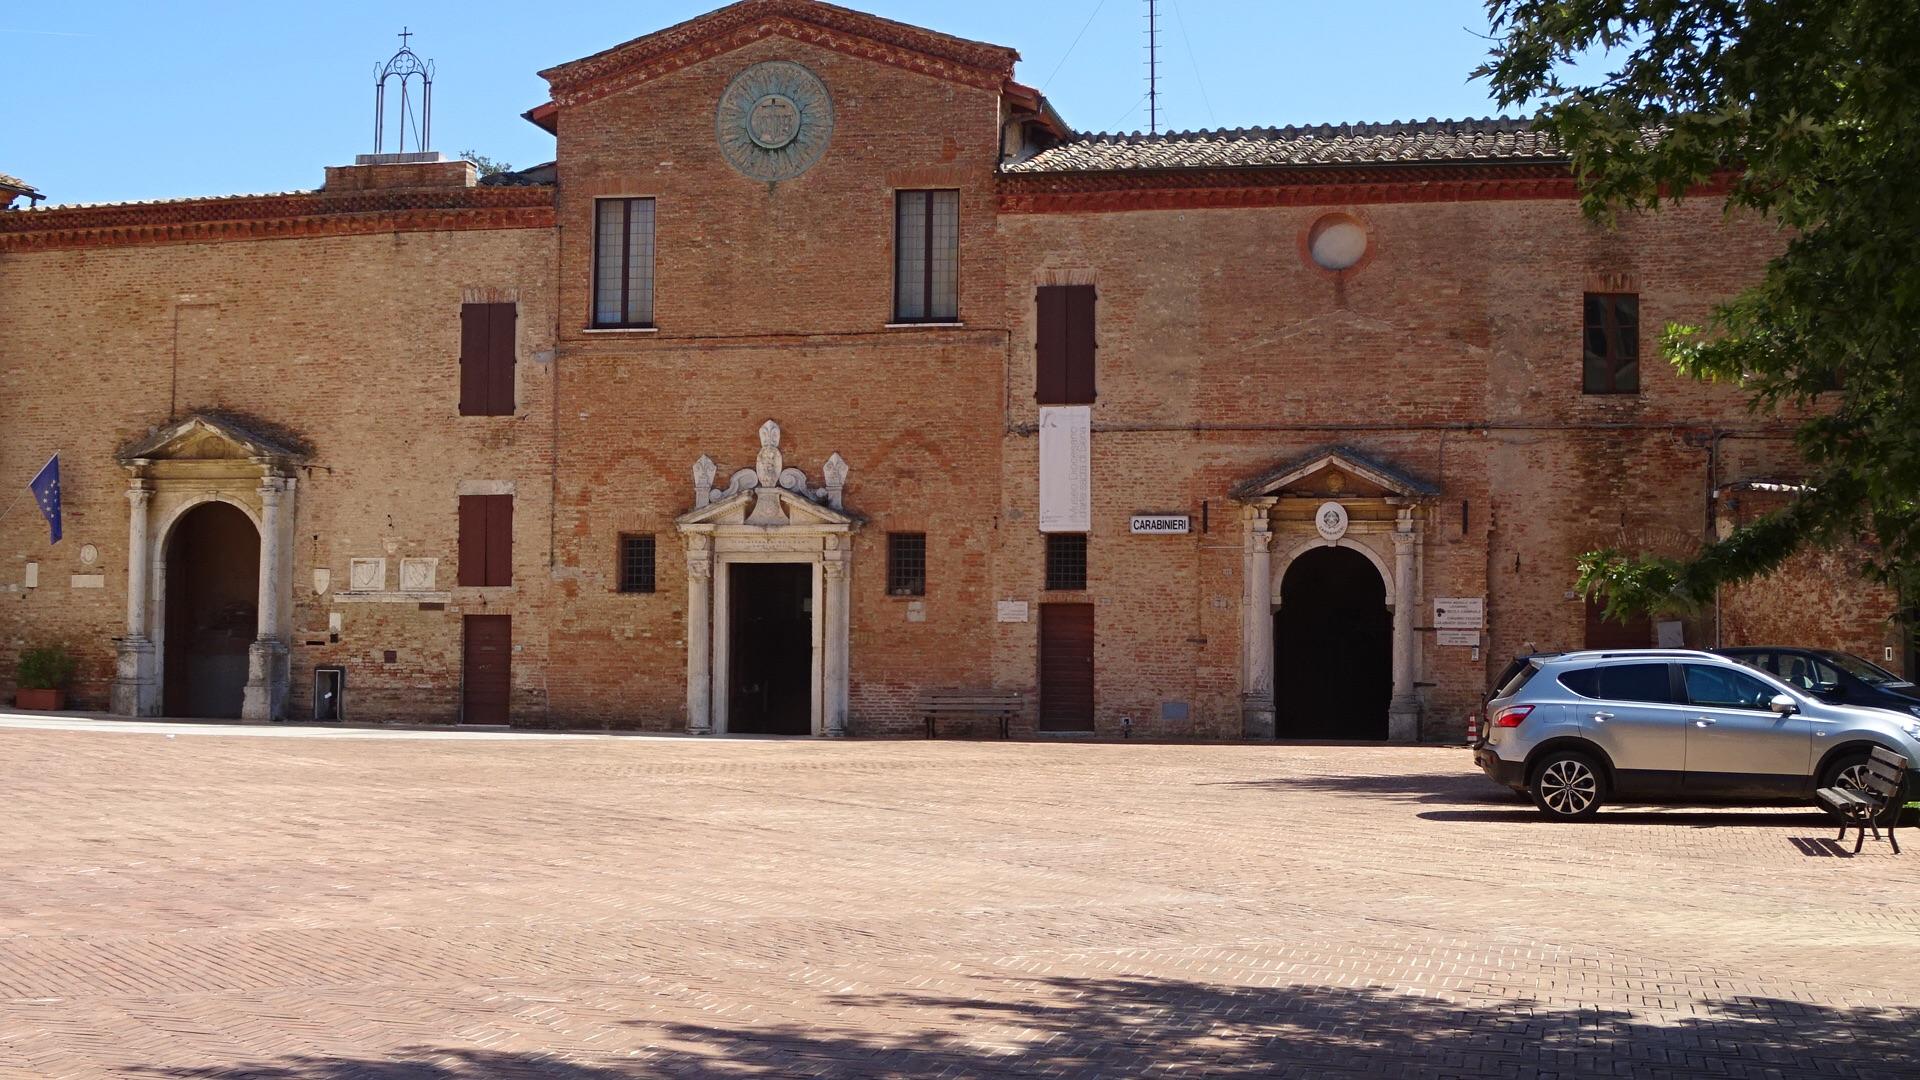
(380,172)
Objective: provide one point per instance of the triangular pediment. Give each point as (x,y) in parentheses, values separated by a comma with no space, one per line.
(855,33)
(213,437)
(767,507)
(1335,471)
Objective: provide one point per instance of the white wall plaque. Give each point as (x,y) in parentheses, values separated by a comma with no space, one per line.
(1670,634)
(1460,612)
(1331,520)
(89,554)
(1011,611)
(89,581)
(32,580)
(366,575)
(416,575)
(1456,637)
(1160,524)
(1066,488)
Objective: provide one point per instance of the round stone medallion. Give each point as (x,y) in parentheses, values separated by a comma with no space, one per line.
(1331,520)
(774,121)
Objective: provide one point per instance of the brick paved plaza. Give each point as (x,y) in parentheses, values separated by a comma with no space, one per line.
(214,904)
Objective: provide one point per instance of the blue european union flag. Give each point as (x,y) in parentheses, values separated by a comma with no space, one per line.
(46,492)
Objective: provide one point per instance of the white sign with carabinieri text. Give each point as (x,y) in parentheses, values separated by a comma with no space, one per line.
(1160,524)
(1066,487)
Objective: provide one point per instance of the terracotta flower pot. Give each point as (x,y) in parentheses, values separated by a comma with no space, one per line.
(39,699)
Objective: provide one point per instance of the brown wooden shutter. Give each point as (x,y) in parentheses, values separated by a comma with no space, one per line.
(499,539)
(1080,344)
(1050,345)
(500,347)
(474,326)
(473,539)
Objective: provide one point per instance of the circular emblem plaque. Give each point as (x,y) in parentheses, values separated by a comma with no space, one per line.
(774,121)
(1331,520)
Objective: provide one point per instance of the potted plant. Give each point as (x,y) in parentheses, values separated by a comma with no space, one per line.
(41,678)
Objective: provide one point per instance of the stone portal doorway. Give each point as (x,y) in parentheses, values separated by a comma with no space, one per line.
(770,650)
(1333,648)
(212,560)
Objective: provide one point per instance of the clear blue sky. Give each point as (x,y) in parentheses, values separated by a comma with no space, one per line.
(142,100)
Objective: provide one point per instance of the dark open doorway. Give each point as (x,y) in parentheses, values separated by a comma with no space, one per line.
(212,590)
(770,649)
(1333,644)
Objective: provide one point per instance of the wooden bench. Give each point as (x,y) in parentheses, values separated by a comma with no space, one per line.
(1860,808)
(1001,705)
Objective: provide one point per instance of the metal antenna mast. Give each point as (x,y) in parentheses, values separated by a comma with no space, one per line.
(1153,67)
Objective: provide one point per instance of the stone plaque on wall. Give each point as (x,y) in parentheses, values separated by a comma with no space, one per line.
(367,575)
(1066,488)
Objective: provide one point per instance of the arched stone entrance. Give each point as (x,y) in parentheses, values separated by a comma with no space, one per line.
(212,560)
(1333,648)
(1333,498)
(206,460)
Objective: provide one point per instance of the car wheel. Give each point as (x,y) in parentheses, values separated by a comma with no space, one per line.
(1849,771)
(1568,785)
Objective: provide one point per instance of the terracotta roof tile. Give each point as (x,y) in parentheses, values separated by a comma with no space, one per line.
(1401,142)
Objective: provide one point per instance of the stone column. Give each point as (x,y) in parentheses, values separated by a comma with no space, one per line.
(1256,631)
(265,698)
(1403,713)
(837,599)
(699,635)
(136,685)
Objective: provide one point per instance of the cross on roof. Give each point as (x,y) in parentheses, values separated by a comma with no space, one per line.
(404,35)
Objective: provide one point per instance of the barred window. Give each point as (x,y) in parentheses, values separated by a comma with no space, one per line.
(1612,340)
(636,564)
(623,263)
(906,564)
(926,256)
(1067,561)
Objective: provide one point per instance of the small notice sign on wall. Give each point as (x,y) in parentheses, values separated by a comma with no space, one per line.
(1160,524)
(1011,611)
(1456,637)
(1459,612)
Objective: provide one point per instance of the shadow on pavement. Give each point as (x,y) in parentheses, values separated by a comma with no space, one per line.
(1462,789)
(1127,1026)
(1693,817)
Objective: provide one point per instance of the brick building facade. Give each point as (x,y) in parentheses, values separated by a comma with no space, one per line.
(736,416)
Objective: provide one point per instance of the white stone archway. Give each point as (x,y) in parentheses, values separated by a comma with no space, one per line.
(184,465)
(768,513)
(1388,532)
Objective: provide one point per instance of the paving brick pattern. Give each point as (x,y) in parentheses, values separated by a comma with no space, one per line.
(213,906)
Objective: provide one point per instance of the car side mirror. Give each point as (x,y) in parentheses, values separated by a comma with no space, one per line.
(1784,705)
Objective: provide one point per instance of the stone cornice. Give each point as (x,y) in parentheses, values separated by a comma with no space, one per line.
(276,217)
(1170,189)
(857,34)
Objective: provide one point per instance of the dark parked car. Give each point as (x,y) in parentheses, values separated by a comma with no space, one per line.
(1836,677)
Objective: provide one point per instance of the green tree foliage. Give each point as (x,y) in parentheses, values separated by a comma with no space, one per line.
(485,165)
(1811,110)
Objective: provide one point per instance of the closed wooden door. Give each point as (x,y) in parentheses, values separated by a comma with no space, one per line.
(489,667)
(1066,667)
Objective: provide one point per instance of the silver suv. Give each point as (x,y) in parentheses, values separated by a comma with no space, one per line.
(1574,730)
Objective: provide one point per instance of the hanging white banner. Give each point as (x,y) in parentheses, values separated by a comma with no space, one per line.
(1066,488)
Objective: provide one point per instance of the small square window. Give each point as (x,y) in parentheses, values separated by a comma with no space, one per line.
(1067,561)
(906,564)
(636,564)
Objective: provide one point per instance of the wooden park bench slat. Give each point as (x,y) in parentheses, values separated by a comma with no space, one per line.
(1001,705)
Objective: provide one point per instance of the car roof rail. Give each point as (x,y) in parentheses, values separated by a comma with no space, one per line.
(1629,654)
